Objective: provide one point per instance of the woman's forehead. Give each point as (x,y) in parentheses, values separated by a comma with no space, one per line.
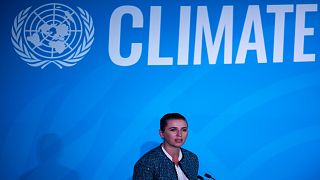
(177,123)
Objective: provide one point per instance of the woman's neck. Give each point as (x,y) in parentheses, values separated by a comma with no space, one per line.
(173,152)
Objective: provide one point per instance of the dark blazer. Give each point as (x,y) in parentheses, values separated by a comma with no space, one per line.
(155,165)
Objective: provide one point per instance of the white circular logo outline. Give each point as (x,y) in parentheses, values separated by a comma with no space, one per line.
(76,54)
(28,27)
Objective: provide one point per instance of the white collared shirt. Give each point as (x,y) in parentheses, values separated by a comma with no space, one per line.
(181,175)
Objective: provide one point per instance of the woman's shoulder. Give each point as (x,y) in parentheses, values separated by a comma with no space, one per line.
(152,155)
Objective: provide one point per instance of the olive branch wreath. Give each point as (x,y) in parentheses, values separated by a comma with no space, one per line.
(33,61)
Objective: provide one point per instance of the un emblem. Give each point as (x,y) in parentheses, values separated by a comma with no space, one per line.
(52,34)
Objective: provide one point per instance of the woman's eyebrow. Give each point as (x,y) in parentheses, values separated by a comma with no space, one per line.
(177,127)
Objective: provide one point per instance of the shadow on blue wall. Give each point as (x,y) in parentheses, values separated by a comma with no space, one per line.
(50,147)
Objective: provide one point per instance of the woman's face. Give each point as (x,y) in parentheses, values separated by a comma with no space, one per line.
(175,133)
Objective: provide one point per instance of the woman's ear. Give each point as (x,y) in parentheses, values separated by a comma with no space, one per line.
(161,133)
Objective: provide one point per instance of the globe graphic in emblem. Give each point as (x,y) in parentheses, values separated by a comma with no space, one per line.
(53,31)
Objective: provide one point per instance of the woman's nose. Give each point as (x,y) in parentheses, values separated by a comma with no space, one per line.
(179,133)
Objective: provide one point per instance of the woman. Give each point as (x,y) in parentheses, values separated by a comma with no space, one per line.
(169,161)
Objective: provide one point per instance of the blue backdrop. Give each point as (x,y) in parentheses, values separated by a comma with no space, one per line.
(254,120)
